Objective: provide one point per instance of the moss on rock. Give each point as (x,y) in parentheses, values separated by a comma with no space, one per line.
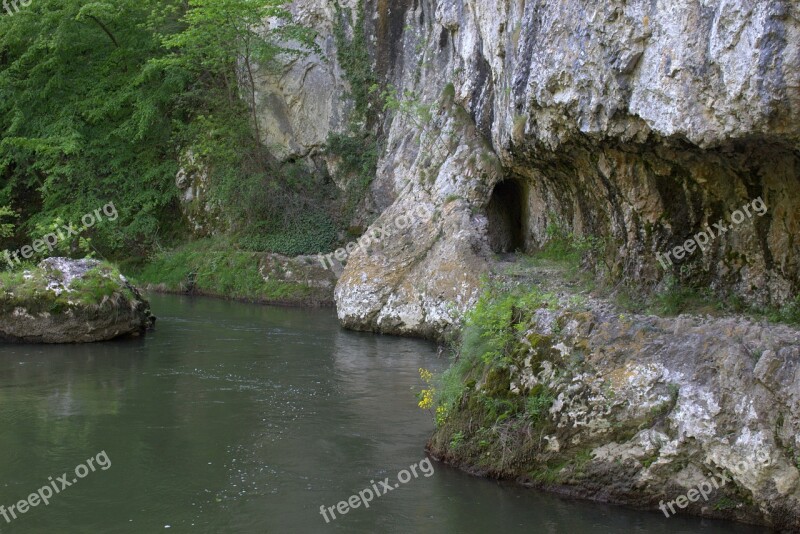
(70,301)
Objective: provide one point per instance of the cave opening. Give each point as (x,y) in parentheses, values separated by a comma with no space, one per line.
(507,217)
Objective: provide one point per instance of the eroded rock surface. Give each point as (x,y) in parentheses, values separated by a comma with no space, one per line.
(418,279)
(640,123)
(304,101)
(639,410)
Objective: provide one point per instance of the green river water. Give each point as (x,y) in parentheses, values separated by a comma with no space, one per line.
(246,419)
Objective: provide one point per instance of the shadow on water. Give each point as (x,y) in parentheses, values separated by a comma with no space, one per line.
(241,418)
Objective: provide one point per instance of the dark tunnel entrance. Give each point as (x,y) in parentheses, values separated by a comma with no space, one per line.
(507,217)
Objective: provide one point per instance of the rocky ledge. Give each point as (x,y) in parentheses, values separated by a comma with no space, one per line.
(693,414)
(70,301)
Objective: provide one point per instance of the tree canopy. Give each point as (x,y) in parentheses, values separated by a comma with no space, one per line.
(98,100)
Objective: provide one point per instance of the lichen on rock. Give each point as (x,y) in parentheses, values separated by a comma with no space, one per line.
(70,301)
(633,409)
(638,122)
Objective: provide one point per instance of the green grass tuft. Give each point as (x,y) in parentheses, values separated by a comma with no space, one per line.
(212,267)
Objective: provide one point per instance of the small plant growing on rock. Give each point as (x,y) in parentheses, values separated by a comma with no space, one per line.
(457,440)
(537,404)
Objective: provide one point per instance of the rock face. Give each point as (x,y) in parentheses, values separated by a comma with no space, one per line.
(70,301)
(300,105)
(418,278)
(205,217)
(639,410)
(640,123)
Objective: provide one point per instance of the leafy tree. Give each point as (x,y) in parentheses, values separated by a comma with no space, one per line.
(6,229)
(221,35)
(82,121)
(222,49)
(98,100)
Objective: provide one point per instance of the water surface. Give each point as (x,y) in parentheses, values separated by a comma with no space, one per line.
(246,419)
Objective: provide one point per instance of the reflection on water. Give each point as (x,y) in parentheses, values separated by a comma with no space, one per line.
(240,418)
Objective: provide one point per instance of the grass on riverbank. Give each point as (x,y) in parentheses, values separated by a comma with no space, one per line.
(486,419)
(214,267)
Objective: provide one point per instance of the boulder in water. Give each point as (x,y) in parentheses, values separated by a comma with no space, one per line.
(70,301)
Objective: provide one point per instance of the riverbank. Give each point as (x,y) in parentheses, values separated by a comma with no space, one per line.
(556,389)
(563,385)
(214,268)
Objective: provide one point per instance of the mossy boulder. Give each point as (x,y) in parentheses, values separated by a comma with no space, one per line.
(578,398)
(70,301)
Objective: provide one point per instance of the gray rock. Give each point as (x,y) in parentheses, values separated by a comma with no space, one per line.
(640,123)
(70,301)
(645,409)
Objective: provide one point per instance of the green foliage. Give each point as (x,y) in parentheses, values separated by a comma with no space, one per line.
(448,93)
(99,100)
(223,48)
(358,148)
(550,473)
(457,440)
(794,457)
(99,284)
(78,246)
(359,154)
(486,349)
(790,313)
(570,248)
(6,228)
(451,383)
(498,316)
(82,121)
(725,503)
(213,267)
(312,234)
(217,35)
(649,460)
(496,410)
(674,299)
(408,104)
(353,56)
(538,403)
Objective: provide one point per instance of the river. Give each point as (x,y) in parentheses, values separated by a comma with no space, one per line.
(247,419)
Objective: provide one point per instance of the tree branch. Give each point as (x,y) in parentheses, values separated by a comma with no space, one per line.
(105,29)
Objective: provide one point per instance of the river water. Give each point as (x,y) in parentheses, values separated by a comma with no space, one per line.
(246,419)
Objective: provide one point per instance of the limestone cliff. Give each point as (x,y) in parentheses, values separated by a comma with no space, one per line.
(633,409)
(639,122)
